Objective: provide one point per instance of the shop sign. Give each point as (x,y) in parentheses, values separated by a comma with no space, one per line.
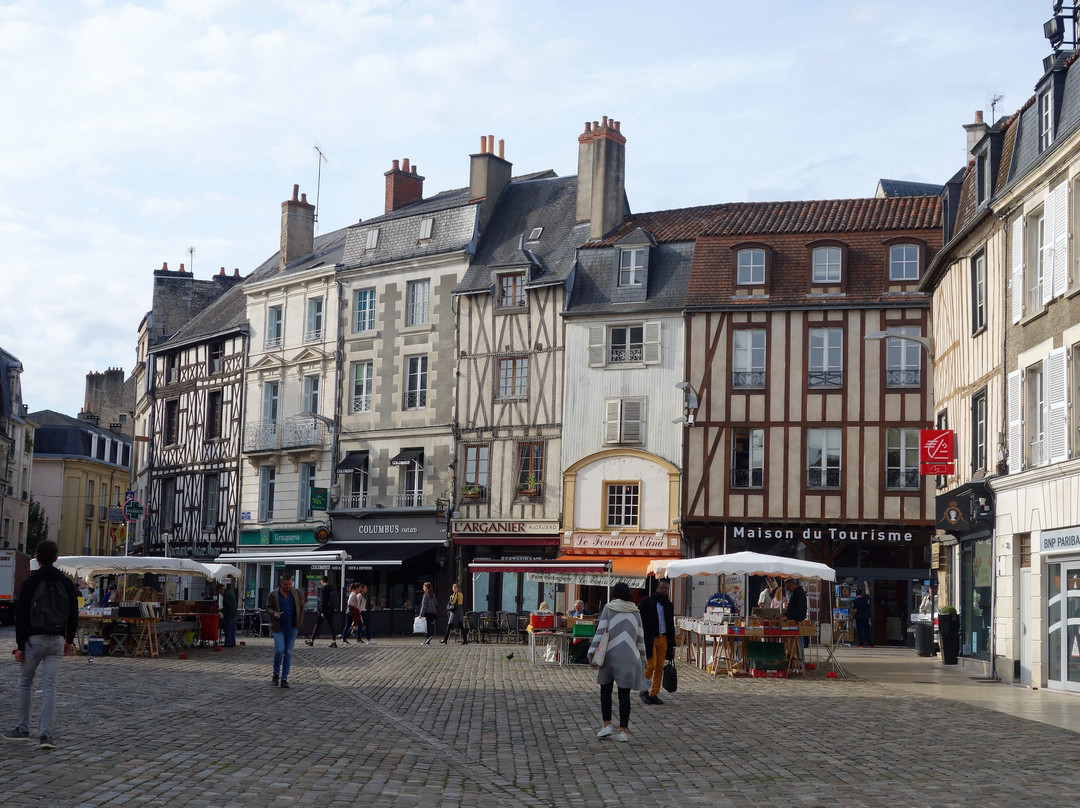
(613,542)
(505,527)
(937,452)
(1064,540)
(405,527)
(752,532)
(266,537)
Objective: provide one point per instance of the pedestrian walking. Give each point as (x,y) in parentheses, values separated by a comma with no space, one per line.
(455,610)
(623,664)
(861,607)
(429,610)
(365,612)
(327,607)
(286,609)
(350,618)
(46,618)
(228,613)
(658,622)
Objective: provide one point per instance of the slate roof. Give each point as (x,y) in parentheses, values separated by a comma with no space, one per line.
(60,434)
(548,203)
(597,274)
(229,312)
(894,188)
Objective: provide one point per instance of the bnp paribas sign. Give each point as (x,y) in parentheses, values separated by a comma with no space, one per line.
(1063,540)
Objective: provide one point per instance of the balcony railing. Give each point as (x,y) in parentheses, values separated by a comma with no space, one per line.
(295,432)
(633,354)
(908,377)
(748,378)
(901,478)
(823,478)
(353,502)
(1035,298)
(313,335)
(826,378)
(1037,455)
(89,511)
(416,400)
(361,403)
(272,342)
(103,512)
(747,478)
(413,500)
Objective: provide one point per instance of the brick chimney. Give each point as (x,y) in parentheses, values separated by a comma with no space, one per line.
(489,174)
(601,181)
(297,228)
(975,132)
(403,186)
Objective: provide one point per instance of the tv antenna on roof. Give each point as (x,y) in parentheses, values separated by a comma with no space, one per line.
(318,183)
(993,107)
(191,259)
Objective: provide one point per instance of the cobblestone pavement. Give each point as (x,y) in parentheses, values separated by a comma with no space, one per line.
(402,724)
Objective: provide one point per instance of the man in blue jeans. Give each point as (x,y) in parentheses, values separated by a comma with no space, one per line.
(44,635)
(286,610)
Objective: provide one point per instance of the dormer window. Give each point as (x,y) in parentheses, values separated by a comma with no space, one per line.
(826,264)
(751,267)
(1046,120)
(631,267)
(425,228)
(511,290)
(904,262)
(372,239)
(536,233)
(982,177)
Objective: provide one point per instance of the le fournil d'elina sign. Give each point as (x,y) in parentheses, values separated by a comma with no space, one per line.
(812,533)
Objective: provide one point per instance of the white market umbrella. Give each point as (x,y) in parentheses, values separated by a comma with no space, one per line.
(744,563)
(220,572)
(90,566)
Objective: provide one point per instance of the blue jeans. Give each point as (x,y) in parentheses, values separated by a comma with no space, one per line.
(284,641)
(47,651)
(230,631)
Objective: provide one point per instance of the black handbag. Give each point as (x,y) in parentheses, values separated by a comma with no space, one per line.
(670,680)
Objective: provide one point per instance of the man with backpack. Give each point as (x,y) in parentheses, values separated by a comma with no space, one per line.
(46,619)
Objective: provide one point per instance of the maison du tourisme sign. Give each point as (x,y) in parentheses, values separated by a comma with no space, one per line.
(816,533)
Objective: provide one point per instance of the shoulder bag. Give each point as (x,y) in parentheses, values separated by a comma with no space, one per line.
(670,679)
(600,653)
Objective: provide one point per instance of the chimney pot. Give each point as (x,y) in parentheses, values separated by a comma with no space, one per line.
(295,191)
(396,167)
(978,116)
(491,144)
(405,165)
(303,199)
(164,266)
(221,272)
(414,170)
(618,126)
(236,272)
(181,268)
(502,145)
(483,144)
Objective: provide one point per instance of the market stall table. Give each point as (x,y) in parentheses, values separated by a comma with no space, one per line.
(557,639)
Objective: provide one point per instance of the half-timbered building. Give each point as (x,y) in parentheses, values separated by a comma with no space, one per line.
(805,433)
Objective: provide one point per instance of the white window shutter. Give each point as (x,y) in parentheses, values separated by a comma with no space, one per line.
(1049,235)
(652,342)
(633,420)
(597,345)
(1057,399)
(1061,240)
(612,420)
(1016,427)
(1017,278)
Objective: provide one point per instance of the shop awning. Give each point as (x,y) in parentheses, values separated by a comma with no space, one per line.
(407,456)
(353,461)
(384,554)
(631,570)
(313,557)
(744,563)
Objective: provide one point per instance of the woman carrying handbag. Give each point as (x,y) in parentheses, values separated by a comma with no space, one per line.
(429,610)
(455,610)
(618,653)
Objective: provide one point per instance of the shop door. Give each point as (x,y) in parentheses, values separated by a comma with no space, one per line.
(1025,621)
(1063,626)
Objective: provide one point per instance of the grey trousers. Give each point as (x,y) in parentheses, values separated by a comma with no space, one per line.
(48,652)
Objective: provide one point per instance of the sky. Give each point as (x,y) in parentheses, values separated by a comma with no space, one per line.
(133,132)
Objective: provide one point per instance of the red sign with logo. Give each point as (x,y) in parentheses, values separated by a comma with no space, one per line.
(937,451)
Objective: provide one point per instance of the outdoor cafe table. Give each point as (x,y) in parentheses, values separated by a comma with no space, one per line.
(730,644)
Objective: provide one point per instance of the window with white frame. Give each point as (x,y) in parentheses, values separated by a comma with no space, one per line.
(270,400)
(823,458)
(313,329)
(1035,276)
(748,358)
(751,267)
(267,484)
(426,226)
(361,393)
(901,458)
(904,262)
(365,311)
(307,484)
(903,358)
(211,490)
(167,517)
(416,382)
(747,457)
(978,431)
(416,302)
(275,326)
(412,484)
(214,412)
(1046,120)
(826,361)
(625,420)
(625,344)
(358,486)
(514,377)
(826,264)
(310,395)
(978,292)
(511,290)
(1035,415)
(631,267)
(623,504)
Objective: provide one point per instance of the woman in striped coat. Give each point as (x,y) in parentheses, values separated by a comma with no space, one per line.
(624,661)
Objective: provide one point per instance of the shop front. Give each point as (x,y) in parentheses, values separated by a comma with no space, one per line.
(262,576)
(890,561)
(393,555)
(627,553)
(516,544)
(1058,553)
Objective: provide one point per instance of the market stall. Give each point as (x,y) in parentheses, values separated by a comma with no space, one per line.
(722,640)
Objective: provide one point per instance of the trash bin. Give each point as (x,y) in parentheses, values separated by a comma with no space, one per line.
(208,624)
(924,639)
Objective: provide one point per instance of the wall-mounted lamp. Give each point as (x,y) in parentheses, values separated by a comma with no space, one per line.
(689,406)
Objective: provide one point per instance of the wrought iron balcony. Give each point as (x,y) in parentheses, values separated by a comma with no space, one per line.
(823,478)
(910,377)
(747,478)
(361,403)
(633,354)
(901,478)
(295,432)
(826,378)
(352,502)
(414,499)
(313,335)
(748,378)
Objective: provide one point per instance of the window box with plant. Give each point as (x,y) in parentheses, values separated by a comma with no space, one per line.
(472,491)
(529,489)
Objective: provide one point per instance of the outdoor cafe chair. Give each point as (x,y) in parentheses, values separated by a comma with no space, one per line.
(472,626)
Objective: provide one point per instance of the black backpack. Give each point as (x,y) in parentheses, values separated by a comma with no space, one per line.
(49,607)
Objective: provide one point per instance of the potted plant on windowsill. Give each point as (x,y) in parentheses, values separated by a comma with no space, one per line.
(471,491)
(529,488)
(949,629)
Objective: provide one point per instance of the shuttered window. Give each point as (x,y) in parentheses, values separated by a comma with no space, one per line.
(625,344)
(625,420)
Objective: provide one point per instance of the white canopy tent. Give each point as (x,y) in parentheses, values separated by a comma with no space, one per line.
(221,572)
(300,558)
(744,563)
(92,566)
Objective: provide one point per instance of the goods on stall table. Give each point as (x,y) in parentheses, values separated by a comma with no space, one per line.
(542,620)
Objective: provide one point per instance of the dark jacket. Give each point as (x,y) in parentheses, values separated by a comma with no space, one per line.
(796,605)
(228,603)
(273,607)
(650,621)
(26,595)
(327,605)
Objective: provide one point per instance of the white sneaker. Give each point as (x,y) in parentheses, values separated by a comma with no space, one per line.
(605,732)
(371,642)
(621,737)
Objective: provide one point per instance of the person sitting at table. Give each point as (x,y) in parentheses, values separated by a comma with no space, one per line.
(89,595)
(543,608)
(579,609)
